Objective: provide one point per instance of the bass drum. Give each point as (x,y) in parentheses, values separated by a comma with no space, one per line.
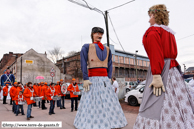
(64,88)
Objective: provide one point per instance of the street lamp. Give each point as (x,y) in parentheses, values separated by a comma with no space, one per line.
(184,68)
(136,63)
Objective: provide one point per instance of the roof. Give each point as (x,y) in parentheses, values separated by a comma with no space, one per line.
(129,53)
(190,69)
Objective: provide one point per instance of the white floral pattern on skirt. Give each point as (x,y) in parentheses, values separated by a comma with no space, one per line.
(99,108)
(177,110)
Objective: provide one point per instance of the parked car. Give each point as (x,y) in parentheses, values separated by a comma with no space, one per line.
(188,79)
(134,97)
(130,85)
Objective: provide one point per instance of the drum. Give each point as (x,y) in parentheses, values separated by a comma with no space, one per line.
(77,93)
(64,88)
(31,98)
(21,103)
(55,98)
(37,99)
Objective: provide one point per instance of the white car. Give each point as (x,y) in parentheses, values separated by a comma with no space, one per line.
(130,86)
(134,97)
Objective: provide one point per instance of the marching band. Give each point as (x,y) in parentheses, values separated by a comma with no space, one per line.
(39,93)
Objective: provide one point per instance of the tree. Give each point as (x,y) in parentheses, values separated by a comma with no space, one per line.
(56,54)
(71,53)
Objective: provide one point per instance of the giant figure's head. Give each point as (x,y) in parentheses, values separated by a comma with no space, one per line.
(97,34)
(159,15)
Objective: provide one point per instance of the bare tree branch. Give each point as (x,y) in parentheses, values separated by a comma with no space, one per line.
(55,54)
(71,53)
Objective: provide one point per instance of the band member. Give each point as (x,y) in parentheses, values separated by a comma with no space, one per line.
(62,95)
(166,101)
(99,106)
(19,88)
(13,93)
(46,87)
(5,93)
(43,94)
(39,94)
(51,92)
(73,88)
(57,87)
(19,98)
(29,94)
(36,90)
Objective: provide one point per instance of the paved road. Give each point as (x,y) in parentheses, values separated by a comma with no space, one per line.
(63,115)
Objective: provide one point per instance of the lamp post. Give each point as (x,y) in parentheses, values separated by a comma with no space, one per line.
(136,63)
(184,68)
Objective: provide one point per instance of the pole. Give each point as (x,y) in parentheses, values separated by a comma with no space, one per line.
(106,23)
(52,79)
(136,64)
(21,71)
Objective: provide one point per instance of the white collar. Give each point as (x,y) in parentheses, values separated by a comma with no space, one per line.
(165,28)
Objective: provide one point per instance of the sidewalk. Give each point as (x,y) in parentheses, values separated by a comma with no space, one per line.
(63,115)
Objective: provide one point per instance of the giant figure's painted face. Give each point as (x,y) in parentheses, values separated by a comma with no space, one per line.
(97,37)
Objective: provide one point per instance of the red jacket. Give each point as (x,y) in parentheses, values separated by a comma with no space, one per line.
(29,92)
(50,93)
(43,92)
(72,89)
(18,90)
(59,90)
(13,92)
(36,90)
(5,91)
(160,44)
(19,98)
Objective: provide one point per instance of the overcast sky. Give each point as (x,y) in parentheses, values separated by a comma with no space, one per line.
(44,24)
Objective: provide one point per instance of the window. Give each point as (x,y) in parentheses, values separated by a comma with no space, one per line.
(132,61)
(126,60)
(121,59)
(116,59)
(140,62)
(148,63)
(144,63)
(112,58)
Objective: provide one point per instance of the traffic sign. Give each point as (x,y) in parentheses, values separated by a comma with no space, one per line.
(52,74)
(52,70)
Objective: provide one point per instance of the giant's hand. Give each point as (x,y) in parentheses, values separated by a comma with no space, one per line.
(86,85)
(158,85)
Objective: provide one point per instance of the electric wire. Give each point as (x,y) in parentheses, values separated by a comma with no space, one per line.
(186,37)
(115,33)
(120,5)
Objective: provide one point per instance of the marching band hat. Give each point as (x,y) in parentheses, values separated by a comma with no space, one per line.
(97,30)
(73,79)
(61,80)
(45,83)
(7,84)
(15,83)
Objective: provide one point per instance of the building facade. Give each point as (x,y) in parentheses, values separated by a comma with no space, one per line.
(32,64)
(7,60)
(124,65)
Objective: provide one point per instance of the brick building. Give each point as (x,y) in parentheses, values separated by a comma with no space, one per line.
(7,60)
(124,65)
(190,71)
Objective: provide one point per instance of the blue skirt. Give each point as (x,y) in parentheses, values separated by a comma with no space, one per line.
(99,108)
